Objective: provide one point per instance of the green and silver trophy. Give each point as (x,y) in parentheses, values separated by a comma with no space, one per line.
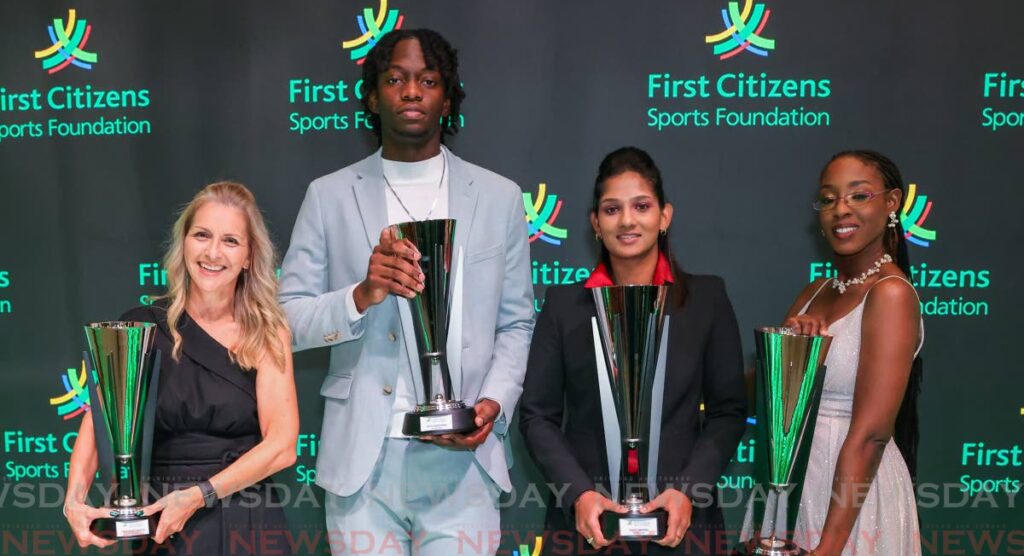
(790,374)
(125,374)
(629,333)
(431,309)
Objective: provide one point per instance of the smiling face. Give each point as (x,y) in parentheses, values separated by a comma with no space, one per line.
(851,230)
(628,218)
(216,247)
(409,98)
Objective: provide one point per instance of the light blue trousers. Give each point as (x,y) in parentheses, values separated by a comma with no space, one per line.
(421,500)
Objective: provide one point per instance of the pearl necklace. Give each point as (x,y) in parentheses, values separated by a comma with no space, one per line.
(842,286)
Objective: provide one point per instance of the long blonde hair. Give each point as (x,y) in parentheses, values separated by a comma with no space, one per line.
(257,312)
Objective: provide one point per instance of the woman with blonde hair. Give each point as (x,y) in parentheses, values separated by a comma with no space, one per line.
(226,416)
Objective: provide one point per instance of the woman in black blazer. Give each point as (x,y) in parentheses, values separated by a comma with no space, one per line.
(560,410)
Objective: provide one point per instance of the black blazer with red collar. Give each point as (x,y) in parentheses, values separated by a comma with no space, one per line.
(560,410)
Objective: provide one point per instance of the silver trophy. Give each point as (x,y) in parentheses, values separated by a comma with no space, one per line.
(125,372)
(629,330)
(439,413)
(791,370)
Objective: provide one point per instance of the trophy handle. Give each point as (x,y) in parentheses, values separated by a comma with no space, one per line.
(104,445)
(657,402)
(610,421)
(452,370)
(148,423)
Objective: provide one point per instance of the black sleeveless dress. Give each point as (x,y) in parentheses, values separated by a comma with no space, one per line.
(206,418)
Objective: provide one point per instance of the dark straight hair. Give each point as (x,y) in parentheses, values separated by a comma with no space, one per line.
(906,433)
(632,159)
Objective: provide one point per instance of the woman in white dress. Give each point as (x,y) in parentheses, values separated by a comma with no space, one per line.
(858,493)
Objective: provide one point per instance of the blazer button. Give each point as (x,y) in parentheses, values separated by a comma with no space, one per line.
(387,390)
(328,338)
(391,337)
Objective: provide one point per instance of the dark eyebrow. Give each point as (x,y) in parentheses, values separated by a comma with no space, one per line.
(403,69)
(854,183)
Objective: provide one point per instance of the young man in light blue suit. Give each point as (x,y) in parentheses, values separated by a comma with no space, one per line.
(344,283)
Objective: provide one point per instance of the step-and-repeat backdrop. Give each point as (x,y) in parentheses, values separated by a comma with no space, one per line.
(114,113)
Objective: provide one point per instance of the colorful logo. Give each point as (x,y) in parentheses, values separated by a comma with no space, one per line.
(742,31)
(372,27)
(76,399)
(524,549)
(541,215)
(915,212)
(68,45)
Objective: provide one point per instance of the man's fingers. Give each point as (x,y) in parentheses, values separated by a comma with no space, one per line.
(390,244)
(477,437)
(486,411)
(400,283)
(406,248)
(397,262)
(400,270)
(393,281)
(466,441)
(387,235)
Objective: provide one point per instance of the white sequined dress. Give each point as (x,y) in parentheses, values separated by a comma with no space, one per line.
(887,524)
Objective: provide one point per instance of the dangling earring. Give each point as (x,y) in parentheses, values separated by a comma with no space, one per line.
(892,219)
(822,230)
(597,237)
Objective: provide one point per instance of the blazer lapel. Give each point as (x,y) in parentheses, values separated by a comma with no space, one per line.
(462,199)
(369,193)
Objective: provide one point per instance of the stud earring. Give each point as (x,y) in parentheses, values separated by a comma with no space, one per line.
(664,232)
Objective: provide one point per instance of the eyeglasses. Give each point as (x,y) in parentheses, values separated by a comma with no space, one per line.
(855,199)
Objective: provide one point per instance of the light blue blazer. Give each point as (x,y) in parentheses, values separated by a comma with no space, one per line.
(338,224)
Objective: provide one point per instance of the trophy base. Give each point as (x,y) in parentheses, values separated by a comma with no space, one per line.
(437,418)
(771,546)
(125,526)
(635,526)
